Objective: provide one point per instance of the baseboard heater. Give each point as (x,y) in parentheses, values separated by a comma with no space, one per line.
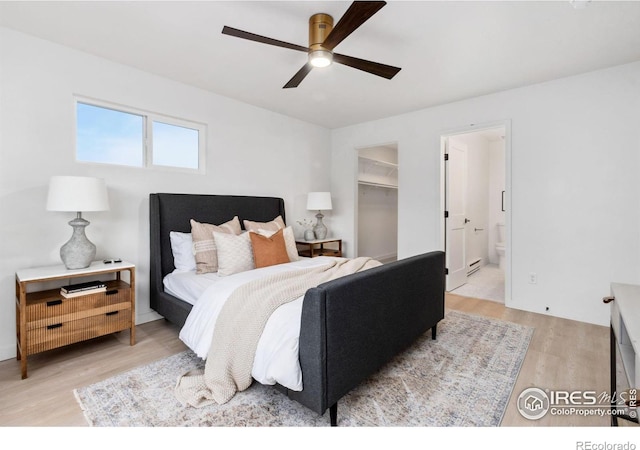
(474,266)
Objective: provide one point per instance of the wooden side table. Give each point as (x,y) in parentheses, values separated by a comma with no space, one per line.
(317,247)
(46,320)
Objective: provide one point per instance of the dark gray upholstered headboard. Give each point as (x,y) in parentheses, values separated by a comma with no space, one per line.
(172,212)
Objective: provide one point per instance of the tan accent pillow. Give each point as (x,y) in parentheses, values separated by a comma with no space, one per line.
(269,251)
(275,225)
(204,246)
(234,253)
(289,242)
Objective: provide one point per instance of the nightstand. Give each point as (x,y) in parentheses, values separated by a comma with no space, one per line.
(317,247)
(46,320)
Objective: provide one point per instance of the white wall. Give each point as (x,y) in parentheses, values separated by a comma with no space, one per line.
(248,151)
(575,149)
(378,222)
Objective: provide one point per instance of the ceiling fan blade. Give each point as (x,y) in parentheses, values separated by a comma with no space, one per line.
(264,40)
(357,14)
(298,77)
(382,70)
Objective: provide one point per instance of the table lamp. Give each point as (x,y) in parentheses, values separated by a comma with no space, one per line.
(319,201)
(77,194)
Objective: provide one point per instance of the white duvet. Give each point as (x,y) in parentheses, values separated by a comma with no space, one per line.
(276,359)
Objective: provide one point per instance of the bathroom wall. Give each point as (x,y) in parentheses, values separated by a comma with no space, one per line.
(497,166)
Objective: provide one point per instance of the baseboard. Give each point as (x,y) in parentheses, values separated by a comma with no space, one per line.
(385,259)
(7,352)
(148,316)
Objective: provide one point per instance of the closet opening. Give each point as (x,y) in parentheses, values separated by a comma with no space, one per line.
(377,203)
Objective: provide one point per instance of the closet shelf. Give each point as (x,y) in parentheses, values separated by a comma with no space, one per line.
(380,185)
(379,162)
(377,172)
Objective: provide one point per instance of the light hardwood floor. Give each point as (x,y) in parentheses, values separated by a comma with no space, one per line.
(563,354)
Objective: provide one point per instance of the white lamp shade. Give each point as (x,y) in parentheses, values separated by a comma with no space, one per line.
(319,201)
(77,194)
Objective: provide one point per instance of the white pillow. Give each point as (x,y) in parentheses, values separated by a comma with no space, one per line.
(182,248)
(289,240)
(275,225)
(204,247)
(235,253)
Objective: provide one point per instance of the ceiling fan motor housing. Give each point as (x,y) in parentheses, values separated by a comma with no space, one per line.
(320,25)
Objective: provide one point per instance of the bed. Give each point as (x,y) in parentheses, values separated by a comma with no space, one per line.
(348,327)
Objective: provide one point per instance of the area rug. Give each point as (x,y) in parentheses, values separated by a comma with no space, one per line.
(463,378)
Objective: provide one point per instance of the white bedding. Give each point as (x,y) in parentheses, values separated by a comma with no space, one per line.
(189,286)
(276,359)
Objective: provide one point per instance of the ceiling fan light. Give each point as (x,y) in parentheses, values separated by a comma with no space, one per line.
(320,58)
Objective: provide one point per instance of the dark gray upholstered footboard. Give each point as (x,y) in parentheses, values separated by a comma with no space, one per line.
(354,325)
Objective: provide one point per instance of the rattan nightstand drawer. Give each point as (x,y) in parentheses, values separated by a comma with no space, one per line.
(63,333)
(50,304)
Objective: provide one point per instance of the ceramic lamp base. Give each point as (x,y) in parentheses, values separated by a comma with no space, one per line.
(320,230)
(78,252)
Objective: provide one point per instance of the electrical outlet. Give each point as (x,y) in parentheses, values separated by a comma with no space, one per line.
(533,278)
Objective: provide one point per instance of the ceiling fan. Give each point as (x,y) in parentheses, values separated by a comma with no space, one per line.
(323,38)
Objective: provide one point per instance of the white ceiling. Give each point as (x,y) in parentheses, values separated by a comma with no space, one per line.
(447,50)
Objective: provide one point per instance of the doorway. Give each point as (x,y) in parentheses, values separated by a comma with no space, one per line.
(377,203)
(475,210)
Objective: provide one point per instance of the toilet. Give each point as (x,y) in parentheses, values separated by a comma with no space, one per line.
(500,245)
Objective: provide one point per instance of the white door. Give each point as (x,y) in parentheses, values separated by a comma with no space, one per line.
(456,206)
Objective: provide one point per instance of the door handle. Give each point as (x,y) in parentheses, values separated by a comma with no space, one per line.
(466,220)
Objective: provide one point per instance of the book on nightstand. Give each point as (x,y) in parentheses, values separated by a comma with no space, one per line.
(82,292)
(89,285)
(75,290)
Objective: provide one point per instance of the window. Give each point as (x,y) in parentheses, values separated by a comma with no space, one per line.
(124,136)
(174,145)
(109,136)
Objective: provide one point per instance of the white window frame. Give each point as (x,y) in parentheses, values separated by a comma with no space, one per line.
(148,118)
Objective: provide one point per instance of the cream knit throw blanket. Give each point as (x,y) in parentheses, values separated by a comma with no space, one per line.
(239,327)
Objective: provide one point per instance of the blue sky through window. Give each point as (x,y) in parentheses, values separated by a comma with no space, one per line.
(109,136)
(175,146)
